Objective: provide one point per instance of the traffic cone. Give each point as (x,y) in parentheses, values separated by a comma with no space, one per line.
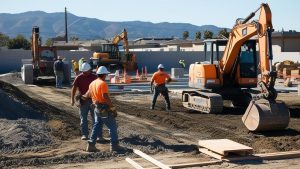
(137,74)
(124,73)
(145,71)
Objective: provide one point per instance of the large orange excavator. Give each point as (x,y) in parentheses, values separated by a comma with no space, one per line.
(109,55)
(230,72)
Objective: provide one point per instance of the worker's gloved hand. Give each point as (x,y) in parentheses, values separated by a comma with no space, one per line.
(79,100)
(114,112)
(151,89)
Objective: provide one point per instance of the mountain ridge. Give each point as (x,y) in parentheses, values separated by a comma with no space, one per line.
(52,25)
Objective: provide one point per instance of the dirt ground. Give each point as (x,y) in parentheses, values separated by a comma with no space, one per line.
(168,136)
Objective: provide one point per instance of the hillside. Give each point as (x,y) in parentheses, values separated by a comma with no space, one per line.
(52,25)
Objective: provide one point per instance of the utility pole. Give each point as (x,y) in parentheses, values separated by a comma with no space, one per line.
(66,25)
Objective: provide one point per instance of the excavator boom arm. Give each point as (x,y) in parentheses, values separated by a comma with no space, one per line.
(122,36)
(244,31)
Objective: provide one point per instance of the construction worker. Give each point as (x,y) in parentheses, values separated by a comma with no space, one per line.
(75,67)
(82,82)
(159,79)
(80,62)
(182,64)
(58,68)
(105,112)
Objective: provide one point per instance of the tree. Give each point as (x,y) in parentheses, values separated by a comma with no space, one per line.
(198,35)
(18,43)
(3,39)
(208,34)
(49,42)
(223,33)
(185,35)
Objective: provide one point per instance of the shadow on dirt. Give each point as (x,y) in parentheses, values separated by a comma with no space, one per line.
(280,133)
(152,143)
(13,106)
(294,112)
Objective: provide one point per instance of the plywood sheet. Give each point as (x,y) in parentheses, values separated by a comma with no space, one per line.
(225,146)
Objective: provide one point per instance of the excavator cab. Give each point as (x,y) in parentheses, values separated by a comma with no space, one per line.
(243,72)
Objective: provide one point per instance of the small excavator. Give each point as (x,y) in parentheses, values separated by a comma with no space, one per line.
(230,72)
(109,55)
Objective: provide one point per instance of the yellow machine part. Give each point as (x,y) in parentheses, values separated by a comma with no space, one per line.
(97,55)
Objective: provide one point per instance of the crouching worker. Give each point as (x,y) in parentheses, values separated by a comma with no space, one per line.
(105,112)
(159,79)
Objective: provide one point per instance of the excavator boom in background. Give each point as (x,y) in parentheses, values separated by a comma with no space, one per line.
(109,55)
(230,71)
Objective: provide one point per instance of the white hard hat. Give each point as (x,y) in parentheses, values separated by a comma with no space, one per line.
(102,70)
(160,66)
(85,67)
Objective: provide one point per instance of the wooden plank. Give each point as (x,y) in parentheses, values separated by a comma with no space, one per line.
(210,153)
(267,156)
(225,146)
(133,163)
(196,164)
(279,155)
(150,159)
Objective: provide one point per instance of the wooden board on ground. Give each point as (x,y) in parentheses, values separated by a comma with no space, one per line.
(195,164)
(160,165)
(150,159)
(225,146)
(266,156)
(133,163)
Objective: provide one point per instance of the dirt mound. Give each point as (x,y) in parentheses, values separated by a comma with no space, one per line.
(21,127)
(12,108)
(23,134)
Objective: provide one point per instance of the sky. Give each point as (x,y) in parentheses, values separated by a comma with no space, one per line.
(285,13)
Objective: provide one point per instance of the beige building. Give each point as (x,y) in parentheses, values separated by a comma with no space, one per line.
(287,41)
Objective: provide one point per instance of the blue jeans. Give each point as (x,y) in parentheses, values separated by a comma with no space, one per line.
(59,77)
(163,90)
(84,110)
(111,124)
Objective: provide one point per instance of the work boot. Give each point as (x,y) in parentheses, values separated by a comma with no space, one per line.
(102,140)
(118,149)
(91,148)
(84,137)
(168,108)
(152,108)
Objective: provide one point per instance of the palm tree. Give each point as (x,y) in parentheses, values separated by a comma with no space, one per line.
(198,35)
(185,35)
(223,33)
(208,34)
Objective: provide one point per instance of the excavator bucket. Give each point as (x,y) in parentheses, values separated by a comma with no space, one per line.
(266,115)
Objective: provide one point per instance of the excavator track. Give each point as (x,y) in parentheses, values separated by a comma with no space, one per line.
(202,101)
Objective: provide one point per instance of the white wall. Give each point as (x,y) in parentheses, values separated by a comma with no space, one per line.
(11,59)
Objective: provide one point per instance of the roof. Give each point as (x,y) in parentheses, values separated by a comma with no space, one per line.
(149,41)
(182,41)
(290,34)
